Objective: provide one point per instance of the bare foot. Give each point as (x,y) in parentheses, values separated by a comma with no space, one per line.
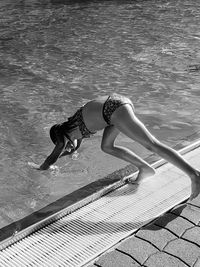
(195,185)
(143,173)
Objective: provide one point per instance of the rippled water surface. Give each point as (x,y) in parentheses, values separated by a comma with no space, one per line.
(56,55)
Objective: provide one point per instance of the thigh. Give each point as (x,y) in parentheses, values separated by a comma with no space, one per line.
(109,135)
(125,120)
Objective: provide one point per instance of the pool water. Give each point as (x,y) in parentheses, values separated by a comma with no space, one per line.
(56,55)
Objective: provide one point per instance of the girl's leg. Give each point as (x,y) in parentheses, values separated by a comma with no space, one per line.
(107,145)
(125,121)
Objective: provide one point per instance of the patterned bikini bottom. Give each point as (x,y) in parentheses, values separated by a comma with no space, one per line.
(113,102)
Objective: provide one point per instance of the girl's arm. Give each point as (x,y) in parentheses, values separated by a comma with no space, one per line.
(66,152)
(57,153)
(52,158)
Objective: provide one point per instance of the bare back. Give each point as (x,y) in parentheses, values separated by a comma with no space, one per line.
(92,114)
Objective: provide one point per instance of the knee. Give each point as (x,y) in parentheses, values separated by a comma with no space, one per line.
(106,148)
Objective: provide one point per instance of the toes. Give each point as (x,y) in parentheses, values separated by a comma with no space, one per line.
(130,181)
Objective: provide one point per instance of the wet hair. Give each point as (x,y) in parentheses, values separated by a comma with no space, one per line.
(60,129)
(52,133)
(64,128)
(57,129)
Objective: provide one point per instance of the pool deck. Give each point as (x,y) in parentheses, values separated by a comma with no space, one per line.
(172,240)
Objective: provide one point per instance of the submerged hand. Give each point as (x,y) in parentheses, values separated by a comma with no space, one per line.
(34,166)
(43,167)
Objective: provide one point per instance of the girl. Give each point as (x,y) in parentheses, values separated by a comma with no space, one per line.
(114,114)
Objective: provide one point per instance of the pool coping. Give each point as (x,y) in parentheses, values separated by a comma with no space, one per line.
(81,197)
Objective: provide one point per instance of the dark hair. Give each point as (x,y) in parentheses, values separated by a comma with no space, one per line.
(53,133)
(57,129)
(60,129)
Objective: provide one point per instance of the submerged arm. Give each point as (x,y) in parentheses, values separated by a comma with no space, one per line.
(52,158)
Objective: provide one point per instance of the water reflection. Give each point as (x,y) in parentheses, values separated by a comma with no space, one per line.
(55,55)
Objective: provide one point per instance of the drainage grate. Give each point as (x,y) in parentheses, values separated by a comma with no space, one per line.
(76,239)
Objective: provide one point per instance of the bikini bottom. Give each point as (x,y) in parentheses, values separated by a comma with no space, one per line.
(113,102)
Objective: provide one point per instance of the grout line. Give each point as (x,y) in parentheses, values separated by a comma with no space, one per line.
(163,227)
(194,265)
(123,252)
(194,205)
(152,255)
(192,242)
(141,238)
(182,217)
(177,258)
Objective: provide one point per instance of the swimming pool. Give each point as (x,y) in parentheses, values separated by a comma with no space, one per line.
(56,55)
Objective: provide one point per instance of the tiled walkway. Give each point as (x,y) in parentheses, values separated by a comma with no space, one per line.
(173,240)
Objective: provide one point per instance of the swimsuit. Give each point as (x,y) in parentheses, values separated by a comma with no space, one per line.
(113,102)
(77,121)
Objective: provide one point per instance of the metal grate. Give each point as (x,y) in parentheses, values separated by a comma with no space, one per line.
(76,239)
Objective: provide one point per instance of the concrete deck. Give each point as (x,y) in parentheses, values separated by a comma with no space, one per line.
(172,240)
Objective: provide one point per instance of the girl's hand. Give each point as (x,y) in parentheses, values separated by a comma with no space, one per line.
(34,166)
(42,167)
